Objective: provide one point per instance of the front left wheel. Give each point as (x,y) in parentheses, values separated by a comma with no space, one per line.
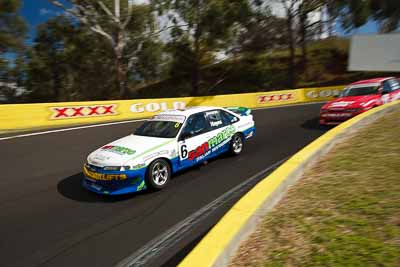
(158,174)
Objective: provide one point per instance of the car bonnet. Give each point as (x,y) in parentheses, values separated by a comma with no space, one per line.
(128,148)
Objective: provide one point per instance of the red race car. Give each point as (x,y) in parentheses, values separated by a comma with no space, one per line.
(359,97)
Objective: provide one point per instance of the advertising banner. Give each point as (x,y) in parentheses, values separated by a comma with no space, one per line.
(322,93)
(46,115)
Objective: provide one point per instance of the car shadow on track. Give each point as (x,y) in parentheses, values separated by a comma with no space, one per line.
(72,188)
(313,124)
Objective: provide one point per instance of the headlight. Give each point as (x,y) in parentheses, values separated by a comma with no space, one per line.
(124,168)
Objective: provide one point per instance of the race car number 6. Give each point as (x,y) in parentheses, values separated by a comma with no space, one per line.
(184,152)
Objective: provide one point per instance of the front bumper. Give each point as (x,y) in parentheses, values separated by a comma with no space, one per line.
(113,182)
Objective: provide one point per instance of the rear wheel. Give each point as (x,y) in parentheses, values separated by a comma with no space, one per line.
(236,145)
(158,174)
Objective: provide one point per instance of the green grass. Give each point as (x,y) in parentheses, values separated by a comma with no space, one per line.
(345,211)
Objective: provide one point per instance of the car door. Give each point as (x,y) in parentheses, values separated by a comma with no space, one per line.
(193,140)
(221,131)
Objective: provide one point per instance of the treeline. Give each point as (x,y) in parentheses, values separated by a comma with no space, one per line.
(114,49)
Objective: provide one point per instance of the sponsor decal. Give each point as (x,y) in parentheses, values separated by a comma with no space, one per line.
(276,97)
(369,103)
(173,118)
(341,104)
(216,123)
(119,150)
(322,93)
(100,157)
(142,186)
(156,106)
(138,166)
(210,146)
(83,111)
(103,177)
(163,152)
(213,112)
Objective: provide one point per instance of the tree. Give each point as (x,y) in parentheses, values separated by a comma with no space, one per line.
(385,12)
(353,13)
(291,10)
(121,24)
(12,35)
(306,27)
(298,28)
(262,32)
(208,27)
(64,65)
(12,26)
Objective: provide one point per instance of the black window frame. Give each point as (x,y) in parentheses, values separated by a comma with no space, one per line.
(392,83)
(209,122)
(230,114)
(386,84)
(182,133)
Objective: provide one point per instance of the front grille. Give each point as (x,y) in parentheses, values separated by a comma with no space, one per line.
(92,167)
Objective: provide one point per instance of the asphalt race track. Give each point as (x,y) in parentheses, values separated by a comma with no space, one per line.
(48,219)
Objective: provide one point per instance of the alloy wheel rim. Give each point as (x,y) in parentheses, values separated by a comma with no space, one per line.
(237,144)
(159,174)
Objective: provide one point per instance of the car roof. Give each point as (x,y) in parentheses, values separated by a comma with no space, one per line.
(187,111)
(374,80)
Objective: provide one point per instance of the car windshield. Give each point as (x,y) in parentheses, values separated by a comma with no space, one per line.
(162,129)
(357,91)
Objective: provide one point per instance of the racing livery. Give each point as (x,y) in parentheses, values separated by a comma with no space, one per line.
(359,97)
(169,142)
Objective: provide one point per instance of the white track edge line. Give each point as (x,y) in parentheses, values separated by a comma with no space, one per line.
(68,129)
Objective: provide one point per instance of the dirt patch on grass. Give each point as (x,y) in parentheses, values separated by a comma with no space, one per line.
(345,210)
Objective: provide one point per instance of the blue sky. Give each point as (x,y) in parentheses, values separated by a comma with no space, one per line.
(36,12)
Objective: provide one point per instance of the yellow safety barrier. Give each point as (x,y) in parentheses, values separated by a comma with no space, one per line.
(221,242)
(29,116)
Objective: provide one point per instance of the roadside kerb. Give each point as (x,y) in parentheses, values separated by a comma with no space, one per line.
(222,242)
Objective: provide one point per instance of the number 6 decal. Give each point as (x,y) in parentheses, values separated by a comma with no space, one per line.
(184,152)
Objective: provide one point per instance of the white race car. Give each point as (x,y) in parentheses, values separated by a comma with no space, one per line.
(167,143)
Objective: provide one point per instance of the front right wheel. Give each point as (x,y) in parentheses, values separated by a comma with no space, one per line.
(236,145)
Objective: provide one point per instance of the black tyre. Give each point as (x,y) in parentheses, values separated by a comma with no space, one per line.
(236,146)
(158,174)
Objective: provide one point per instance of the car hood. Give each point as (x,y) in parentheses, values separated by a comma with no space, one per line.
(121,151)
(351,101)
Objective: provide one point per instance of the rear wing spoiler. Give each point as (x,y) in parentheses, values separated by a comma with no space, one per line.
(242,111)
